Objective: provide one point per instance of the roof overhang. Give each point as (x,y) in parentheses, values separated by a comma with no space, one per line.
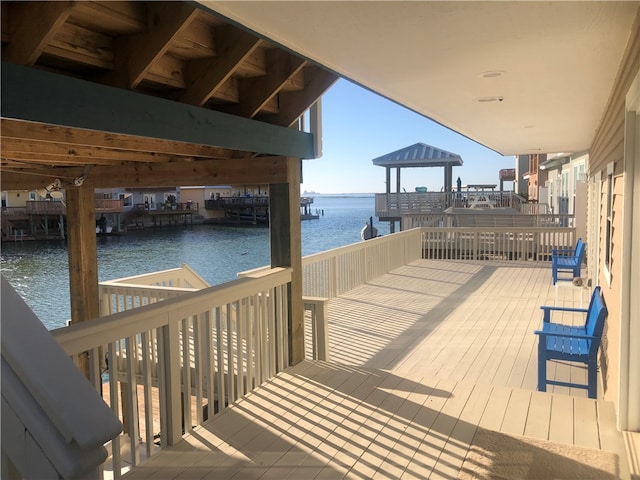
(518,77)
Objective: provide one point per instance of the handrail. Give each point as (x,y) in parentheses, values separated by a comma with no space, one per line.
(202,349)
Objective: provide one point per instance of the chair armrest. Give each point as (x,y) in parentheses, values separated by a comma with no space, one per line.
(542,333)
(546,318)
(564,309)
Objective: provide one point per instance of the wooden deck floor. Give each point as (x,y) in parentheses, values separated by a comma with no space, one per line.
(421,360)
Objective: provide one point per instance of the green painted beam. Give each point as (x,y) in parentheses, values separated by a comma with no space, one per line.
(40,96)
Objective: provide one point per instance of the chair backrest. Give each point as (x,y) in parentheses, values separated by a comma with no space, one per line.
(580,249)
(596,316)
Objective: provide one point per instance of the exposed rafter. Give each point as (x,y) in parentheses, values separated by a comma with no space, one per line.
(33,26)
(138,53)
(206,76)
(256,92)
(294,104)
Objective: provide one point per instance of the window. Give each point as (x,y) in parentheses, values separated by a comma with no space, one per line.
(33,196)
(609,223)
(127,199)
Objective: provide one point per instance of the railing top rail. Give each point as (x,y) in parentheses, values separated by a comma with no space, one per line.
(497,229)
(99,331)
(315,257)
(185,271)
(148,288)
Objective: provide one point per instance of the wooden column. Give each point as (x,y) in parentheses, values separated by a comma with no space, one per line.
(83,262)
(286,249)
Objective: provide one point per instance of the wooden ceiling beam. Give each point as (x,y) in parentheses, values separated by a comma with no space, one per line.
(77,138)
(37,159)
(32,26)
(26,148)
(293,104)
(256,92)
(261,170)
(38,96)
(204,77)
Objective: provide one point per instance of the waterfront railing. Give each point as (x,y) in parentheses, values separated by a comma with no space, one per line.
(126,293)
(395,205)
(496,243)
(172,364)
(487,220)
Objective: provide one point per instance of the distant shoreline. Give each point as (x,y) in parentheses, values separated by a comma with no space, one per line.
(338,195)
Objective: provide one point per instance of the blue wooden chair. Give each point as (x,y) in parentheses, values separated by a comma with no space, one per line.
(572,344)
(567,260)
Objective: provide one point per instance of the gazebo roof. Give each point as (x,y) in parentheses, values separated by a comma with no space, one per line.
(418,155)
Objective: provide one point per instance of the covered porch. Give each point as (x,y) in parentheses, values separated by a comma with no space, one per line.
(426,363)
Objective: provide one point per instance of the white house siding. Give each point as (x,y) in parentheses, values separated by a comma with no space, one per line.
(607,148)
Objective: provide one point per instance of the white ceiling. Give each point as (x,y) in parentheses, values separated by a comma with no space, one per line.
(557,60)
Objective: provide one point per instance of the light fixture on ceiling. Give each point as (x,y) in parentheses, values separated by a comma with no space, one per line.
(53,190)
(492,74)
(79,180)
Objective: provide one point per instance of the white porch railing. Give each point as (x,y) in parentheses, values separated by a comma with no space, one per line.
(334,272)
(132,292)
(404,203)
(464,218)
(495,243)
(175,363)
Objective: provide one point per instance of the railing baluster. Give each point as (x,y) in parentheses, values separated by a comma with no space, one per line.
(186,374)
(240,322)
(147,392)
(199,365)
(231,391)
(114,402)
(251,357)
(131,390)
(220,357)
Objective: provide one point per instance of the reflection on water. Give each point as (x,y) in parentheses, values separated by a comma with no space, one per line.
(39,270)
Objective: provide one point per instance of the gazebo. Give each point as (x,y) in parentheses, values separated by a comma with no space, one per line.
(418,155)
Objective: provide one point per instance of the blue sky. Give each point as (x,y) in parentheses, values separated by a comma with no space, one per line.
(359,126)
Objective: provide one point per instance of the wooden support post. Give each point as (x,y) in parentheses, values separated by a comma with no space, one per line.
(83,258)
(286,250)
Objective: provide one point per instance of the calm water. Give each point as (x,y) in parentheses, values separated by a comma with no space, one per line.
(39,271)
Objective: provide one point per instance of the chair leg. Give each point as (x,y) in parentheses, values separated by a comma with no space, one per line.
(542,365)
(592,379)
